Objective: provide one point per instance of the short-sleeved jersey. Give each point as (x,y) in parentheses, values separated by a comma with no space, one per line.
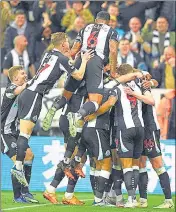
(97,37)
(53,65)
(9,109)
(128,109)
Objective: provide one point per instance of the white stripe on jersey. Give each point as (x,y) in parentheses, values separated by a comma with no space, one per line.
(28,116)
(62,68)
(11,117)
(102,40)
(126,109)
(45,74)
(100,152)
(155,117)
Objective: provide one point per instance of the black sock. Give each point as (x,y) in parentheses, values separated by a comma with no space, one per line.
(88,108)
(59,175)
(16,187)
(101,184)
(72,183)
(128,183)
(117,179)
(22,145)
(109,184)
(165,185)
(27,170)
(92,182)
(135,178)
(142,184)
(60,103)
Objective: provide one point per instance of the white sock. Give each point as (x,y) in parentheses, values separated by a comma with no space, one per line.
(68,195)
(112,193)
(19,165)
(143,200)
(130,199)
(105,194)
(97,199)
(119,198)
(51,189)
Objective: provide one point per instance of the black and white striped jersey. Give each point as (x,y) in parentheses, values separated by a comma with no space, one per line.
(150,117)
(103,121)
(128,109)
(97,37)
(53,65)
(9,109)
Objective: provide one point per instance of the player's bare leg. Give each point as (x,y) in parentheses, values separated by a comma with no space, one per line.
(26,128)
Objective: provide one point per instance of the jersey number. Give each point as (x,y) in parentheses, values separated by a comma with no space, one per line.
(92,40)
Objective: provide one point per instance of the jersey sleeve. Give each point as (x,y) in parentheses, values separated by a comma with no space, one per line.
(67,66)
(113,92)
(10,91)
(114,36)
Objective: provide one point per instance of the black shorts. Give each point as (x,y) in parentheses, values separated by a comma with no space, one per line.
(130,142)
(97,142)
(9,144)
(151,145)
(93,76)
(29,105)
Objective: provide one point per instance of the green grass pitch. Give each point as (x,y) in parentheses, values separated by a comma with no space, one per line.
(45,206)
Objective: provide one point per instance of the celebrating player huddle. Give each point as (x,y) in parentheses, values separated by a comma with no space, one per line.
(108,114)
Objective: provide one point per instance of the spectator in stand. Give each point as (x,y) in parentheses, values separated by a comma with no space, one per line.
(137,44)
(113,10)
(129,57)
(79,24)
(114,24)
(42,41)
(19,56)
(6,18)
(132,8)
(49,11)
(165,115)
(94,6)
(19,27)
(165,73)
(76,10)
(159,38)
(167,10)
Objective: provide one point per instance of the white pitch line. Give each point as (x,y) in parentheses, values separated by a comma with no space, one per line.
(34,206)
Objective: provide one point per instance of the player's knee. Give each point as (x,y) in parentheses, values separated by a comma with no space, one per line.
(96,98)
(13,158)
(135,162)
(157,162)
(29,155)
(126,162)
(106,164)
(142,162)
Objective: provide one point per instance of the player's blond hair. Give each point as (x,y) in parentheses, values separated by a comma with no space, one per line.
(13,71)
(58,38)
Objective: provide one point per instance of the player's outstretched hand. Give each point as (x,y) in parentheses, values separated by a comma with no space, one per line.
(47,121)
(87,55)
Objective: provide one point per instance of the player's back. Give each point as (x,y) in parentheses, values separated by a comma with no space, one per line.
(96,36)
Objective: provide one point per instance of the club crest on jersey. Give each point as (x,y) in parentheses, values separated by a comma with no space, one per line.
(13,145)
